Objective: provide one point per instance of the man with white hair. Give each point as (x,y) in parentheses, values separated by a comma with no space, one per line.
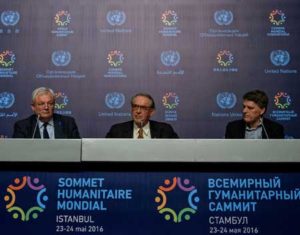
(44,123)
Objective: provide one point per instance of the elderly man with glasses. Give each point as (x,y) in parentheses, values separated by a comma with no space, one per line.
(141,127)
(44,123)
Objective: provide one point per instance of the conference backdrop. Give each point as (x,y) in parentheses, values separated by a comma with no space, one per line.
(196,57)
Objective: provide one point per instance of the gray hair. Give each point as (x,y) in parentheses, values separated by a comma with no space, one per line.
(144,95)
(41,91)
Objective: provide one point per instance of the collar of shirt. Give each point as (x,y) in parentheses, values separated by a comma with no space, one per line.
(50,128)
(253,133)
(254,128)
(51,123)
(146,131)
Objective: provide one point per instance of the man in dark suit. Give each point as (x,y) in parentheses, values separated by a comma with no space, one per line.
(254,125)
(142,108)
(44,123)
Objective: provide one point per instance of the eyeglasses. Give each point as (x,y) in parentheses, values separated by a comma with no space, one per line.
(45,104)
(140,107)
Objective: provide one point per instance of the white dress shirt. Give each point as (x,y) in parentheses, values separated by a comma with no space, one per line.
(50,129)
(146,131)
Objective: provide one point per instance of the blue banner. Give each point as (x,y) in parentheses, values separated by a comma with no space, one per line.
(149,203)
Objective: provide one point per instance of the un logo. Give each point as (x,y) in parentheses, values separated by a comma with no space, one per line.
(114,100)
(7,100)
(280,57)
(61,58)
(116,17)
(223,17)
(170,58)
(226,100)
(10,18)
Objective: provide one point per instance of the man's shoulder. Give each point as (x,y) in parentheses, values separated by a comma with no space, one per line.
(122,124)
(272,123)
(25,121)
(162,130)
(239,122)
(60,117)
(156,123)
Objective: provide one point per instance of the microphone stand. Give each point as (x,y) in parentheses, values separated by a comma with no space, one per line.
(263,126)
(35,127)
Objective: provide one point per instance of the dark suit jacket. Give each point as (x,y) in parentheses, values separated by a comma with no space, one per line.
(64,128)
(158,130)
(236,130)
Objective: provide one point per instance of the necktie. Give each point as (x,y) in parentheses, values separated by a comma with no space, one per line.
(141,134)
(45,132)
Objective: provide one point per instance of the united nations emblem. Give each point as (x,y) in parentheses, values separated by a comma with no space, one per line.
(226,100)
(280,57)
(116,17)
(114,100)
(223,17)
(170,58)
(7,100)
(61,58)
(10,18)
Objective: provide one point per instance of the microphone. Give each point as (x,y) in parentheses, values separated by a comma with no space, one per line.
(35,127)
(263,127)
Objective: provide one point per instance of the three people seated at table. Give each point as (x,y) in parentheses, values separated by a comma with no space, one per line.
(46,124)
